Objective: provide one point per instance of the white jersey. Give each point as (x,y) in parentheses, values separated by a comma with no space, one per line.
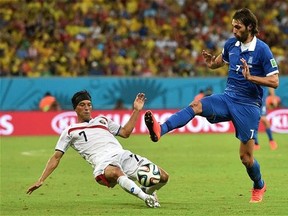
(94,141)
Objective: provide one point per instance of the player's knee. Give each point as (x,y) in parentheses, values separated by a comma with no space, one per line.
(164,177)
(102,180)
(246,160)
(112,173)
(116,173)
(196,106)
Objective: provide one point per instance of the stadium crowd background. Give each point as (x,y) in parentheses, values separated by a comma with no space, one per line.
(127,37)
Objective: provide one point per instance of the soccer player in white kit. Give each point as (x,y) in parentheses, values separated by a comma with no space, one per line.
(94,139)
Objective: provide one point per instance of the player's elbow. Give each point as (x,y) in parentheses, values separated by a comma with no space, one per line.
(124,133)
(275,84)
(274,81)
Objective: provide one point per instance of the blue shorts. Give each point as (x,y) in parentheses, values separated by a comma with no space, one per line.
(245,117)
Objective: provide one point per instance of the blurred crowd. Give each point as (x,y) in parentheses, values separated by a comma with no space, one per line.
(143,38)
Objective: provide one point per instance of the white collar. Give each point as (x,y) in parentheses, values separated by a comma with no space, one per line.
(252,44)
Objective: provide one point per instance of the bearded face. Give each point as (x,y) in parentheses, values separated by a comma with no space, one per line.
(240,31)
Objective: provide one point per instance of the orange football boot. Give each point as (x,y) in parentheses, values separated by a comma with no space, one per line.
(257,194)
(153,126)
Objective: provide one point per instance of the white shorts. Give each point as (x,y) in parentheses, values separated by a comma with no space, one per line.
(127,161)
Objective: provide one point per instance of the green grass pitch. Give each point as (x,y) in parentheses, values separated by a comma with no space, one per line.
(206,178)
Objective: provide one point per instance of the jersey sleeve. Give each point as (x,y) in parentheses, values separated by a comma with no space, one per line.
(224,56)
(227,46)
(63,141)
(269,63)
(113,127)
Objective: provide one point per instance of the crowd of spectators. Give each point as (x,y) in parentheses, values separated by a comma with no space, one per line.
(127,37)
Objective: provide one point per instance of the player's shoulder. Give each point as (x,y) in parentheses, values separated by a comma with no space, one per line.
(260,44)
(263,51)
(99,117)
(230,43)
(260,41)
(231,40)
(65,131)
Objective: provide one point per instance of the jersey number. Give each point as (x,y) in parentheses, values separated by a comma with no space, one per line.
(238,67)
(252,133)
(135,156)
(85,137)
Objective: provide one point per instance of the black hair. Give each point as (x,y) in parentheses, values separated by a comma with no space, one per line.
(80,96)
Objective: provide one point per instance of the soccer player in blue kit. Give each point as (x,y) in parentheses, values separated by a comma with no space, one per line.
(251,65)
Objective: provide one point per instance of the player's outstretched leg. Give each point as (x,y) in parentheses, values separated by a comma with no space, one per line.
(153,126)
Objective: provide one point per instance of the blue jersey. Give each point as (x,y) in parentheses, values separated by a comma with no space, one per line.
(261,63)
(265,95)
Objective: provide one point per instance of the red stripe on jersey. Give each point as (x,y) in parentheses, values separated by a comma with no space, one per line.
(81,128)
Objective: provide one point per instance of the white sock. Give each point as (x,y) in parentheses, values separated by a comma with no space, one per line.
(130,186)
(151,189)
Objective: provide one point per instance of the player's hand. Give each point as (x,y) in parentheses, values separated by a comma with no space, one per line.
(35,186)
(245,69)
(209,58)
(139,101)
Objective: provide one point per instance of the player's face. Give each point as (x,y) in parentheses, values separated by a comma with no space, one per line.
(83,110)
(240,31)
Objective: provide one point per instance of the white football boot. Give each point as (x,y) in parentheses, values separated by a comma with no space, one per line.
(154,195)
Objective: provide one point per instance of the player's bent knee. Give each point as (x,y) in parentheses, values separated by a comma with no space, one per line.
(164,176)
(102,180)
(196,106)
(113,172)
(116,173)
(246,161)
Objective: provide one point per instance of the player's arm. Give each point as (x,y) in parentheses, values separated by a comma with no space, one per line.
(50,167)
(127,129)
(269,81)
(212,61)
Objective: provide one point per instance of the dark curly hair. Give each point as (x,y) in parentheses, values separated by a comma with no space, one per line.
(246,17)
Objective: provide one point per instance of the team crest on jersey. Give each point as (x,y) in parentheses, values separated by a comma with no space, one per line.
(102,122)
(273,63)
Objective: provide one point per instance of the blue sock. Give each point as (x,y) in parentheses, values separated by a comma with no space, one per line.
(269,133)
(255,175)
(256,140)
(177,120)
